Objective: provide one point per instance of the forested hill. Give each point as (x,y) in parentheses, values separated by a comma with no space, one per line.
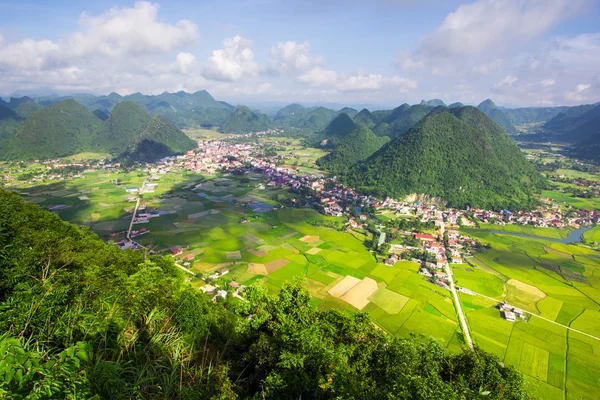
(356,146)
(496,114)
(457,154)
(83,319)
(67,127)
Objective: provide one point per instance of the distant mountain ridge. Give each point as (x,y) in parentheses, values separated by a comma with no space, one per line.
(497,115)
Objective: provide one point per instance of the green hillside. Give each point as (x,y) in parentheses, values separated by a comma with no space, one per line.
(364,117)
(433,102)
(401,119)
(497,115)
(9,122)
(102,116)
(292,109)
(159,138)
(347,110)
(58,130)
(458,104)
(23,106)
(357,146)
(126,122)
(569,119)
(460,155)
(244,120)
(84,319)
(531,115)
(313,119)
(339,127)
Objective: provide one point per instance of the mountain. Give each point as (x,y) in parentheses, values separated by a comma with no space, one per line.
(347,110)
(571,118)
(490,109)
(339,127)
(433,103)
(102,116)
(585,128)
(133,134)
(458,104)
(245,120)
(312,119)
(531,115)
(2,102)
(364,117)
(159,138)
(9,122)
(292,109)
(401,119)
(60,129)
(457,154)
(23,106)
(357,146)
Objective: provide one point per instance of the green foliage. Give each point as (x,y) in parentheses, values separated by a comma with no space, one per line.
(312,119)
(459,155)
(401,120)
(497,115)
(530,115)
(9,122)
(23,106)
(84,319)
(570,118)
(364,117)
(359,145)
(58,130)
(244,120)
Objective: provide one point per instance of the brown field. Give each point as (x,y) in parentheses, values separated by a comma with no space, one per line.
(258,253)
(258,269)
(309,239)
(526,288)
(313,251)
(358,295)
(343,286)
(275,265)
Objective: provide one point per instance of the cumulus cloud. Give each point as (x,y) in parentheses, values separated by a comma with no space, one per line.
(492,24)
(318,76)
(117,33)
(232,63)
(184,62)
(292,57)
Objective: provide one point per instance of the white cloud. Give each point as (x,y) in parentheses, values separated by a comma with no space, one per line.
(233,63)
(487,68)
(361,82)
(184,62)
(494,25)
(290,57)
(318,76)
(548,82)
(580,94)
(117,33)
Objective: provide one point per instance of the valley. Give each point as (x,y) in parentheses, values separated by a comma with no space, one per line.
(256,209)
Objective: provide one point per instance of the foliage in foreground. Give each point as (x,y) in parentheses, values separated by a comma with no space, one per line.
(84,319)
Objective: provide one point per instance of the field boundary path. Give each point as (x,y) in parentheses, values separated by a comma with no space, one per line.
(461,315)
(539,316)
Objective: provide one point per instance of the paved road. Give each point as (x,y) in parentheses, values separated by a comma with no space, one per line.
(461,315)
(137,204)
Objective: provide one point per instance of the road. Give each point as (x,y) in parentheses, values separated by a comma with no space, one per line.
(459,310)
(137,204)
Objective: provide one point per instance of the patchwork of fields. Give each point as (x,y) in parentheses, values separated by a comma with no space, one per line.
(224,221)
(557,281)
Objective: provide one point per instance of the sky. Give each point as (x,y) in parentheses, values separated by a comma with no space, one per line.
(385,52)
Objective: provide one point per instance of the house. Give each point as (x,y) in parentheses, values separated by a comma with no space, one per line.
(234,284)
(208,289)
(132,189)
(175,251)
(510,316)
(424,237)
(223,271)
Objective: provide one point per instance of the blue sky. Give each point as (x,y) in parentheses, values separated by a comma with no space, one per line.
(517,52)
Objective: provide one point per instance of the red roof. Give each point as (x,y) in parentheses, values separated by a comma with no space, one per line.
(424,236)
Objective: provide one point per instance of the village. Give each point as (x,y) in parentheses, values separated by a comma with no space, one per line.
(325,194)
